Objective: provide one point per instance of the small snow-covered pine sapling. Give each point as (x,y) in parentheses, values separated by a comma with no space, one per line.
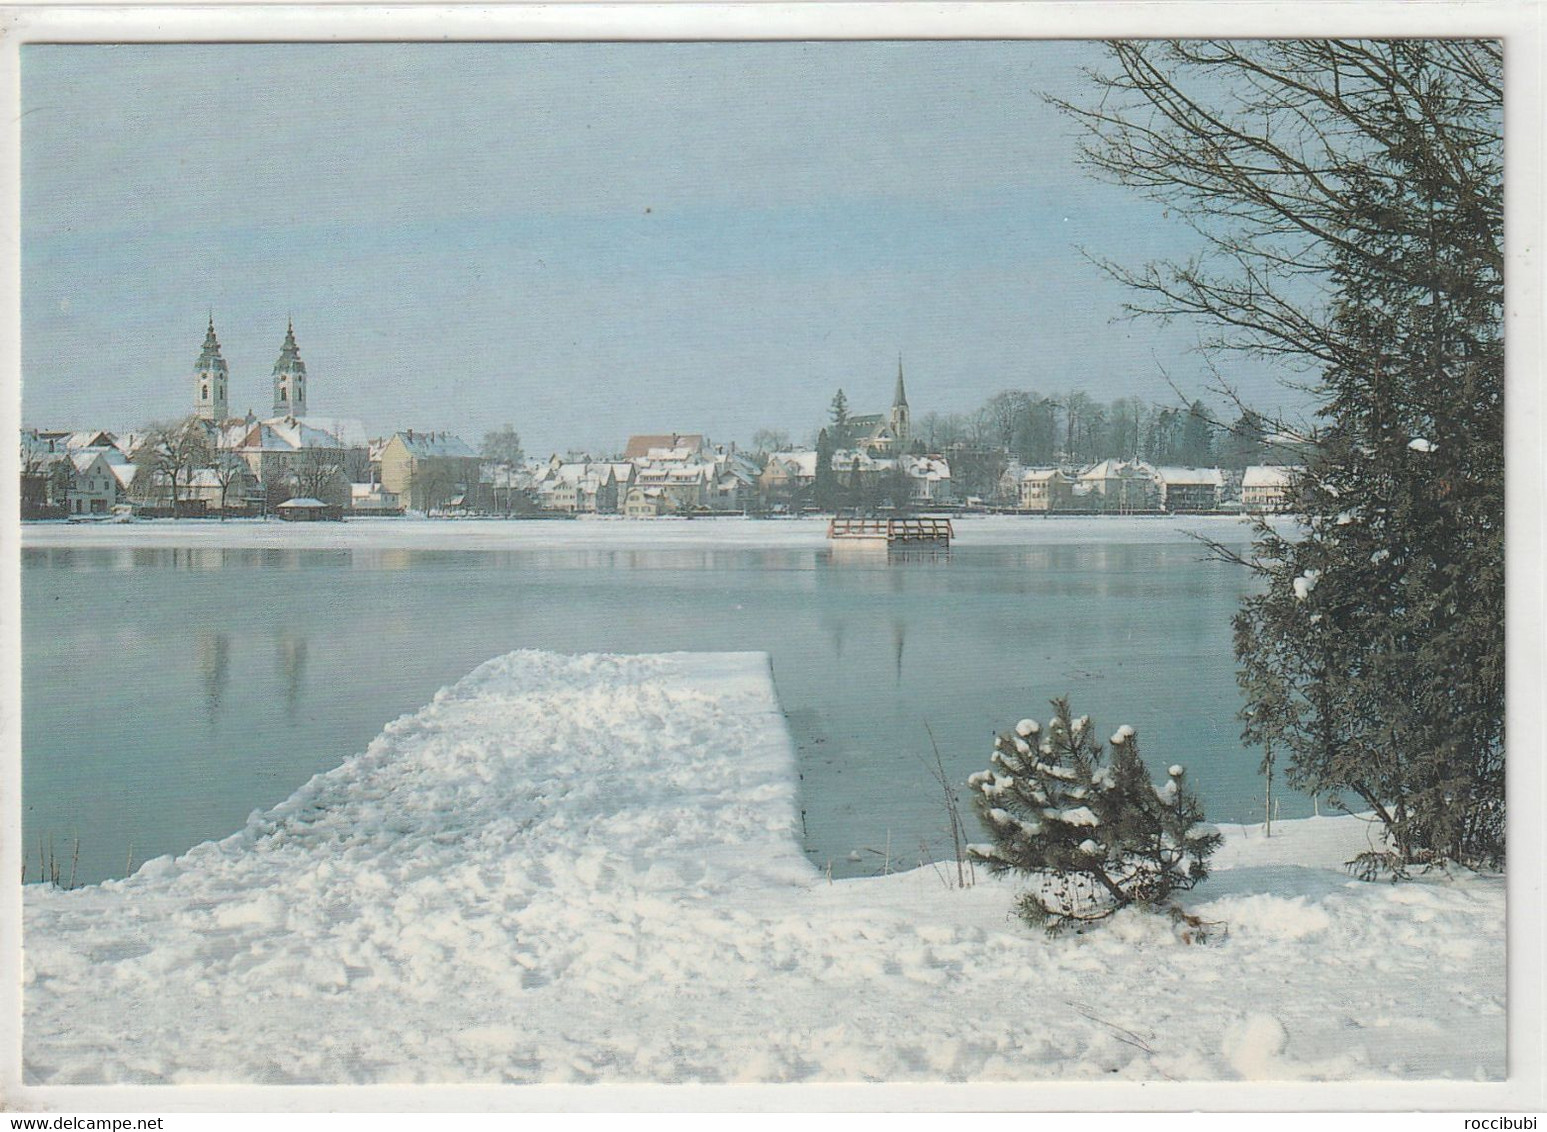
(1092,833)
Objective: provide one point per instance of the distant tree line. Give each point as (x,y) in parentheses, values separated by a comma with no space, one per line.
(1075,428)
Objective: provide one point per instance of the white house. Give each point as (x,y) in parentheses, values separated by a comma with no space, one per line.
(1119,485)
(1265,487)
(645,502)
(785,476)
(929,478)
(373,499)
(93,487)
(1044,489)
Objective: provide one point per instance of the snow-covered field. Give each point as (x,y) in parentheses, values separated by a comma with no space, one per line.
(584,869)
(729,532)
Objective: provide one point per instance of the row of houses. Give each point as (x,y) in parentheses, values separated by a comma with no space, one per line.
(1133,486)
(244,467)
(254,467)
(657,475)
(214,462)
(788,478)
(685,474)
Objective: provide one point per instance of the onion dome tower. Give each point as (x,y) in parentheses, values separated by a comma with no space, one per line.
(289,378)
(210,378)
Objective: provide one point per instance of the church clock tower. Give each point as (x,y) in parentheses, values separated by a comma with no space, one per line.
(289,378)
(209,379)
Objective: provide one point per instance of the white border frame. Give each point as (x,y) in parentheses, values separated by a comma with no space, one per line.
(1520,24)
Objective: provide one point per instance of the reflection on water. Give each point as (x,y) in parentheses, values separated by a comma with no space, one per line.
(290,656)
(213,651)
(224,678)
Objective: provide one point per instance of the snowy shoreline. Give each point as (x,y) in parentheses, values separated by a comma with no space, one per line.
(727,532)
(585,869)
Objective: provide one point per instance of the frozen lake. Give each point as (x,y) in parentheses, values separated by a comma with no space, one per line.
(177,676)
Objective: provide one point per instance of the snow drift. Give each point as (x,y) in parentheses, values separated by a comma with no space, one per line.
(585,869)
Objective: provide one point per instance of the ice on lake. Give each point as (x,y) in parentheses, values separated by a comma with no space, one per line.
(177,676)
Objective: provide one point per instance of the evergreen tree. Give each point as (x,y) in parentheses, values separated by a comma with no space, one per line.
(1164,443)
(1197,448)
(839,413)
(1093,835)
(1243,445)
(1036,441)
(826,487)
(1375,656)
(1348,199)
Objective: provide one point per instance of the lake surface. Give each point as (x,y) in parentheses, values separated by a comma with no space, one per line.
(167,690)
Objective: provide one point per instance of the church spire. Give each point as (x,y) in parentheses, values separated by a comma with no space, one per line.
(209,378)
(898,418)
(289,377)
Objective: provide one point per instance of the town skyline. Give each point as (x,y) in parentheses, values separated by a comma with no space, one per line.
(469,235)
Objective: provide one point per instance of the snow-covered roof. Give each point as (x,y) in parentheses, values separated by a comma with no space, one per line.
(348,431)
(640,446)
(37,445)
(1268,475)
(571,474)
(801,464)
(284,434)
(95,438)
(854,459)
(302,501)
(1117,469)
(1190,477)
(1039,475)
(926,467)
(123,473)
(676,455)
(441,444)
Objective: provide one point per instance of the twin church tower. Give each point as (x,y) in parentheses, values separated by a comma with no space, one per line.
(211,379)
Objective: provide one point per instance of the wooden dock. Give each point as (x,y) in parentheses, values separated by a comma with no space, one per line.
(892,534)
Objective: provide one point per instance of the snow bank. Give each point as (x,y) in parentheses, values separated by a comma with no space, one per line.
(585,869)
(610,532)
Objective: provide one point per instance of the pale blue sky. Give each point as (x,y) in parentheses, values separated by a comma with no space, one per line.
(585,240)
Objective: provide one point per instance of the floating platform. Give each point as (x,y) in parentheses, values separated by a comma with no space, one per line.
(892,534)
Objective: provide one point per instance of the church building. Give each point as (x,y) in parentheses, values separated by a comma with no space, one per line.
(880,434)
(289,447)
(211,381)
